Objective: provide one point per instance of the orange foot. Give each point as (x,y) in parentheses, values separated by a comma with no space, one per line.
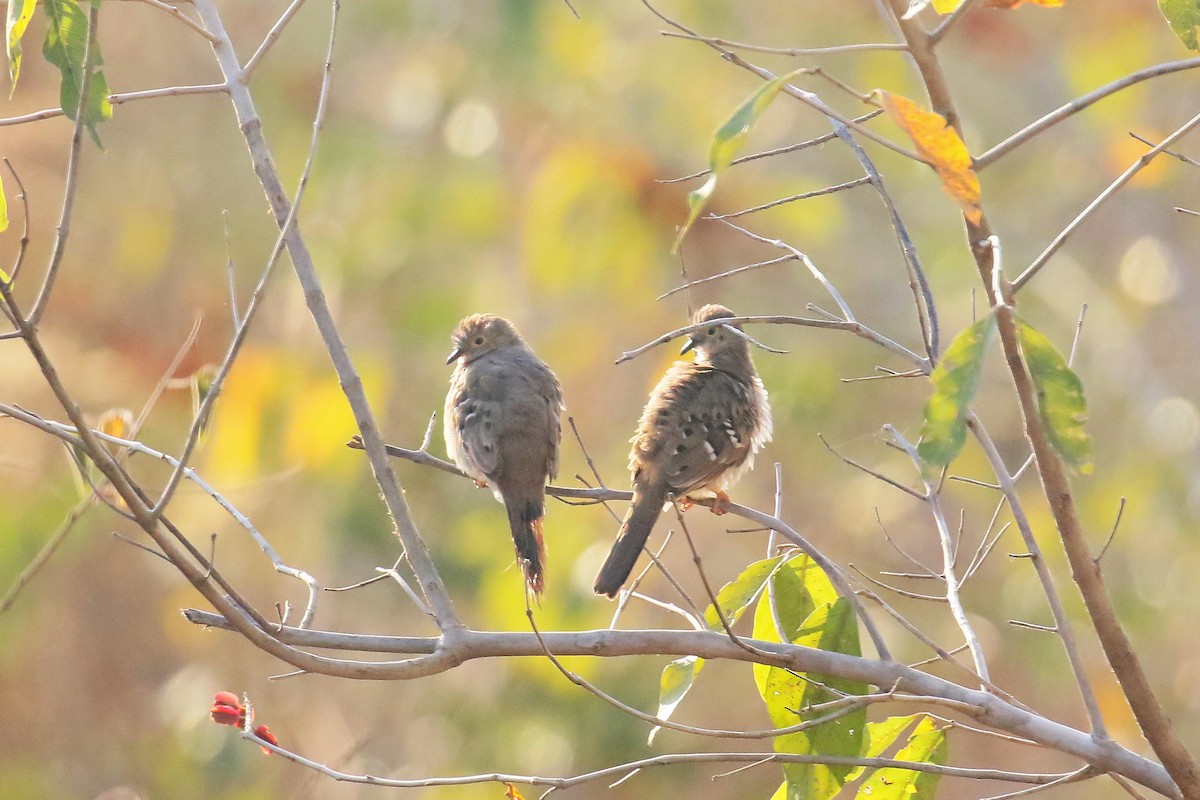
(721,504)
(685,503)
(481,484)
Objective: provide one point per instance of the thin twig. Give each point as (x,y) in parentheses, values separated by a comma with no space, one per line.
(1036,265)
(218,381)
(184,18)
(847,314)
(1113,533)
(1066,632)
(1078,104)
(250,125)
(873,473)
(1191,162)
(791,148)
(933,500)
(62,232)
(23,242)
(242,520)
(231,273)
(941,30)
(726,274)
(802,196)
(43,555)
(271,37)
(808,98)
(857,328)
(768,733)
(119,98)
(1083,773)
(918,284)
(788,51)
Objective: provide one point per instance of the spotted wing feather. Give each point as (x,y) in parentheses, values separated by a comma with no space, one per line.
(696,427)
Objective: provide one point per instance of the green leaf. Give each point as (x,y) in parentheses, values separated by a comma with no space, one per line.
(727,141)
(201,385)
(734,598)
(1061,404)
(803,608)
(737,595)
(66,41)
(954,383)
(3,211)
(677,679)
(881,736)
(1184,18)
(926,745)
(17,20)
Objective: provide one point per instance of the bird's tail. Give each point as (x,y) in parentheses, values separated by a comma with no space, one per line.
(635,530)
(525,521)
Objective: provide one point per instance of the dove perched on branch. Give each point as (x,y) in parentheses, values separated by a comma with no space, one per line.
(502,428)
(699,432)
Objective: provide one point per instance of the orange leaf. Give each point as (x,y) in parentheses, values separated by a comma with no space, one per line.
(941,146)
(512,794)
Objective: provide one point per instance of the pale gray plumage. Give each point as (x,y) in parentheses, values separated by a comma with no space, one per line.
(698,434)
(502,427)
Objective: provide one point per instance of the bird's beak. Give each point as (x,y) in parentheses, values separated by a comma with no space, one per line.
(688,345)
(454,354)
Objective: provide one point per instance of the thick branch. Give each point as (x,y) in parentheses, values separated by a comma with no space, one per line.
(992,711)
(351,383)
(1151,716)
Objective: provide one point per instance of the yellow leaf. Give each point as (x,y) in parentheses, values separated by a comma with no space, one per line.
(941,146)
(511,792)
(117,422)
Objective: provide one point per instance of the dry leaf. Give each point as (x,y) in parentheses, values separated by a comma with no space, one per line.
(941,146)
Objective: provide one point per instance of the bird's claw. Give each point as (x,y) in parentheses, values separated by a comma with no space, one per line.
(721,504)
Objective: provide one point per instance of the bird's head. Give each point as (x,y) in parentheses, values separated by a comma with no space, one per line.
(718,339)
(480,334)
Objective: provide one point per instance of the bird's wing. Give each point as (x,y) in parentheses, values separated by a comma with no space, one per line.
(473,417)
(551,424)
(696,426)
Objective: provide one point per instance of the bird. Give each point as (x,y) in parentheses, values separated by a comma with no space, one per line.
(501,426)
(699,432)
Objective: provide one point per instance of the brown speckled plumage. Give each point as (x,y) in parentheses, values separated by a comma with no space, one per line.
(698,433)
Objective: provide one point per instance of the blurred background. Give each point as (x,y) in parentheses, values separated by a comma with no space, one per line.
(510,157)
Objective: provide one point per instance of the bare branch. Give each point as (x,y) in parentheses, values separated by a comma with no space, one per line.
(933,500)
(1077,105)
(271,37)
(802,196)
(1036,265)
(787,51)
(791,148)
(250,125)
(1113,533)
(808,98)
(118,99)
(184,18)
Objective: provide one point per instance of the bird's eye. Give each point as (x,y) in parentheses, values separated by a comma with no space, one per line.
(712,331)
(478,340)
